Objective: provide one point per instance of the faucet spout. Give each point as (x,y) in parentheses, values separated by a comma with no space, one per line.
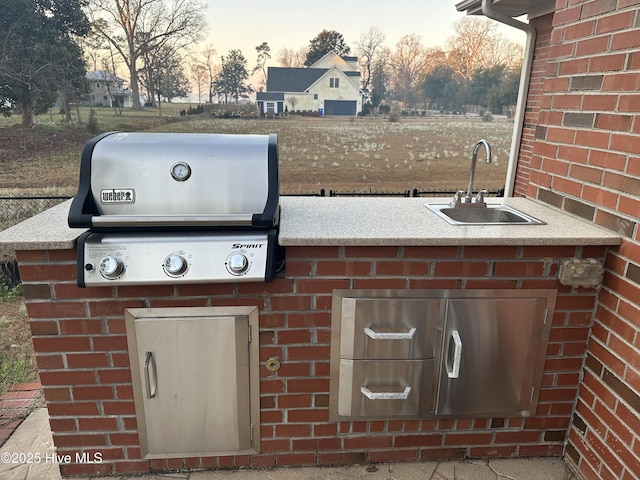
(474,159)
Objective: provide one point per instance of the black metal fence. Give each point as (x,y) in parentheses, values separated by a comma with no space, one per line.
(14,210)
(407,193)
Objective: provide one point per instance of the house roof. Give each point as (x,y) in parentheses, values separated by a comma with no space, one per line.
(270,96)
(103,76)
(281,79)
(511,8)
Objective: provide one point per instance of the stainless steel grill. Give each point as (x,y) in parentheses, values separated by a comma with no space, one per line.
(177,208)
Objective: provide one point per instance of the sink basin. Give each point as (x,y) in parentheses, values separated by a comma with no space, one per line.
(492,214)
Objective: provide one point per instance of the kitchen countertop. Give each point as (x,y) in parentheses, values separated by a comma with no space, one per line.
(326,221)
(46,231)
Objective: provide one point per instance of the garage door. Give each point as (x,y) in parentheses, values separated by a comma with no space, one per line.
(339,107)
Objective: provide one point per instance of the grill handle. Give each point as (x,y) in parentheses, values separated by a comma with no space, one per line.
(170,220)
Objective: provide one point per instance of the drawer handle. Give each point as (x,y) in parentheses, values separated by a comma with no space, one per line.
(385,395)
(390,336)
(454,356)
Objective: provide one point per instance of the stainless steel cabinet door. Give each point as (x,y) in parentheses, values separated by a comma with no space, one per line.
(493,352)
(192,380)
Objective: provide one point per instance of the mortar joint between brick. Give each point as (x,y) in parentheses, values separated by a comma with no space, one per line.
(65,363)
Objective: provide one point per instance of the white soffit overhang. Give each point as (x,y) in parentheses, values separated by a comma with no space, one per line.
(511,8)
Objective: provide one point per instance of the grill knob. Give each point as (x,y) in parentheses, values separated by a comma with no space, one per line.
(237,263)
(175,265)
(111,267)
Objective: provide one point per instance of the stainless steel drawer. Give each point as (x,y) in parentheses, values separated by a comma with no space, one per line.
(422,353)
(388,328)
(385,388)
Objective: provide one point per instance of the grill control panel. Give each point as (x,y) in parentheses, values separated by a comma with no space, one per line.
(168,258)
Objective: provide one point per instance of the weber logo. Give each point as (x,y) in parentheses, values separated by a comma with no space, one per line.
(118,195)
(247,245)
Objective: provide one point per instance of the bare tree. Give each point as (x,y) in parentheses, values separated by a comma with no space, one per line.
(208,58)
(502,51)
(468,49)
(367,47)
(136,27)
(199,76)
(380,77)
(407,67)
(287,57)
(163,75)
(293,101)
(115,92)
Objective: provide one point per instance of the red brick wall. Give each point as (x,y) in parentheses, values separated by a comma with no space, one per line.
(586,159)
(532,110)
(79,336)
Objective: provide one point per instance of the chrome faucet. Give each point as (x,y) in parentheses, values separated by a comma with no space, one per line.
(458,200)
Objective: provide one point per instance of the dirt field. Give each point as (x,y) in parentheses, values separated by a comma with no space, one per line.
(377,155)
(36,161)
(343,155)
(358,155)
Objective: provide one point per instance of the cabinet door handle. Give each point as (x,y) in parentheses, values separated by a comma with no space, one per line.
(385,395)
(152,388)
(389,336)
(453,371)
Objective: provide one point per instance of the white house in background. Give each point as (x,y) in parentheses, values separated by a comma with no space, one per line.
(330,86)
(107,90)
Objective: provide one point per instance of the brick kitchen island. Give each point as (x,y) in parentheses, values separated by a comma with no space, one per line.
(331,243)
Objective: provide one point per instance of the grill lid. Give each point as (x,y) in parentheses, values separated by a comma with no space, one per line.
(177,180)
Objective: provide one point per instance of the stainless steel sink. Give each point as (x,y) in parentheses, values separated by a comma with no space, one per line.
(496,214)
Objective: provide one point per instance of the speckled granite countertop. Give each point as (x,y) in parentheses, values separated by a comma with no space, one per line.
(406,221)
(325,221)
(46,231)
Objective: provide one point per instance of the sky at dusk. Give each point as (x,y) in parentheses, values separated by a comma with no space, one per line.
(244,24)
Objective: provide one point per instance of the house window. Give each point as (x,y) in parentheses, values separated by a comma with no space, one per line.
(271,107)
(334,83)
(315,96)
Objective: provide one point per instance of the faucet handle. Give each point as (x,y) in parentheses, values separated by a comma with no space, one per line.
(480,196)
(457,198)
